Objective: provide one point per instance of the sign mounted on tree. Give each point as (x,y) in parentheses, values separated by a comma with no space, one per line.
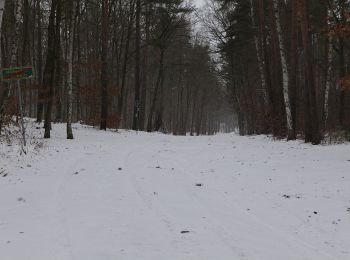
(17,73)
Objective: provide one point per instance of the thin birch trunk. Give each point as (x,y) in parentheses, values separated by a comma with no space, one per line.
(329,71)
(294,64)
(285,73)
(328,81)
(15,41)
(2,5)
(14,51)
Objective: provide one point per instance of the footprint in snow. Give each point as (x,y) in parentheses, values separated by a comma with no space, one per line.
(20,199)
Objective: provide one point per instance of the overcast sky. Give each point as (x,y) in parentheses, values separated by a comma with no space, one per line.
(199,3)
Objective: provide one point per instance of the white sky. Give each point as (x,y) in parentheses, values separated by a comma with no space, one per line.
(199,3)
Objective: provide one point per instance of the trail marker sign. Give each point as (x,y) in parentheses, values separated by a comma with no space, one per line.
(17,73)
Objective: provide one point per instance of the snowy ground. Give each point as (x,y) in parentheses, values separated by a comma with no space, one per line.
(145,196)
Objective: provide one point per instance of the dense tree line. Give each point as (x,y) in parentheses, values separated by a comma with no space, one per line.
(133,64)
(285,64)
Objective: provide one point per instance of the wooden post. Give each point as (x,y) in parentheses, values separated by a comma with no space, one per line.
(21,112)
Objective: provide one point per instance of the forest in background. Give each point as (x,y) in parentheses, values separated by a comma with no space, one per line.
(263,66)
(285,64)
(114,64)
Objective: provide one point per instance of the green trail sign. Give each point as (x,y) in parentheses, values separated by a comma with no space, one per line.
(17,73)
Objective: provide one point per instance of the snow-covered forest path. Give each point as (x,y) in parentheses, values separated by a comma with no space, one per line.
(108,195)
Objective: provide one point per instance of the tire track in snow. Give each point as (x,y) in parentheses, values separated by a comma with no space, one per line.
(294,243)
(62,198)
(291,242)
(130,167)
(161,211)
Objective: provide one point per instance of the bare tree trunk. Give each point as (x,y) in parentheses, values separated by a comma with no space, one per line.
(121,93)
(261,66)
(2,6)
(70,73)
(77,48)
(39,65)
(104,68)
(159,124)
(311,87)
(265,56)
(272,57)
(136,115)
(260,60)
(156,90)
(342,66)
(25,51)
(52,59)
(14,52)
(145,70)
(293,83)
(328,81)
(285,73)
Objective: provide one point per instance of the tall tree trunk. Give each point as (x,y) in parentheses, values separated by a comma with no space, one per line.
(159,124)
(2,6)
(156,90)
(14,52)
(136,117)
(285,73)
(328,81)
(52,60)
(260,60)
(39,64)
(273,57)
(265,56)
(70,72)
(121,93)
(311,87)
(25,52)
(293,85)
(104,66)
(145,70)
(342,68)
(77,48)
